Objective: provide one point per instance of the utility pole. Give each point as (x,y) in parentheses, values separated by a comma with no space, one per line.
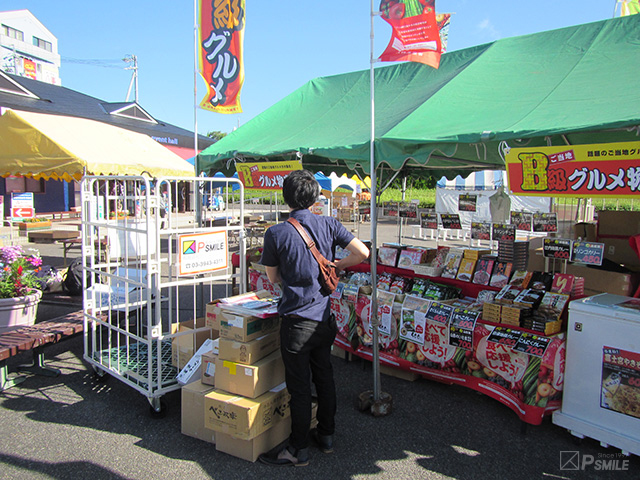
(133,61)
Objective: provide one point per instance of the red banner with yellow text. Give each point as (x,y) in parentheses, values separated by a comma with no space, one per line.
(265,175)
(598,170)
(221,55)
(415,34)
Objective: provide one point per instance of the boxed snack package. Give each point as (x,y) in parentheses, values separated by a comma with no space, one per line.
(501,274)
(520,278)
(250,381)
(482,276)
(246,418)
(452,263)
(465,270)
(388,256)
(193,412)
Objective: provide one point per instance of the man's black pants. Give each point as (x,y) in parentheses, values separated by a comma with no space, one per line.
(306,353)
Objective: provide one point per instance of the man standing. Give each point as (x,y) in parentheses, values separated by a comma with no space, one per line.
(308,329)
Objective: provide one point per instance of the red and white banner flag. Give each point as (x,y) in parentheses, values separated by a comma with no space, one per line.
(415,36)
(221,53)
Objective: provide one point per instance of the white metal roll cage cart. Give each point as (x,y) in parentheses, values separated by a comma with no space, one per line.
(154,253)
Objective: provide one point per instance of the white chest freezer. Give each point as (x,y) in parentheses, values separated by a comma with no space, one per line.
(601,396)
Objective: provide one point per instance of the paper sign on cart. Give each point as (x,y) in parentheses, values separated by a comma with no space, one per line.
(202,252)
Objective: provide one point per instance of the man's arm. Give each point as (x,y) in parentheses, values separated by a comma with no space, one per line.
(273,273)
(358,252)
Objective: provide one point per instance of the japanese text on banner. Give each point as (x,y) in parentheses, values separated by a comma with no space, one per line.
(605,170)
(415,31)
(221,53)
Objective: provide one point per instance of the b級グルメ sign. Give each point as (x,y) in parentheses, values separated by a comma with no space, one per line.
(605,170)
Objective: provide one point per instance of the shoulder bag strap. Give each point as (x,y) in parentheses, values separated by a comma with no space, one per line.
(310,243)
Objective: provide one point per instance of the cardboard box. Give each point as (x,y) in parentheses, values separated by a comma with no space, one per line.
(619,251)
(250,381)
(251,449)
(213,309)
(596,280)
(184,346)
(586,231)
(618,223)
(246,418)
(208,370)
(193,412)
(193,368)
(244,328)
(249,352)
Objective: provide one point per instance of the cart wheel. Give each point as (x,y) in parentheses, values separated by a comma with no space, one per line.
(99,374)
(157,407)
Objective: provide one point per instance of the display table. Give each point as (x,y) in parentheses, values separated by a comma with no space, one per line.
(528,383)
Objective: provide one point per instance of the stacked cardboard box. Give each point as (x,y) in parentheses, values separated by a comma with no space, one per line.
(249,407)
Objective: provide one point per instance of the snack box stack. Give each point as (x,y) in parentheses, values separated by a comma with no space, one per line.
(415,256)
(475,253)
(492,311)
(514,314)
(547,318)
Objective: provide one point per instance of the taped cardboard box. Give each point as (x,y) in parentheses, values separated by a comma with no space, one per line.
(208,372)
(251,449)
(213,309)
(246,418)
(193,412)
(249,352)
(250,381)
(244,328)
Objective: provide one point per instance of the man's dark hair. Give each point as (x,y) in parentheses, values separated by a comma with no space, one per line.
(300,189)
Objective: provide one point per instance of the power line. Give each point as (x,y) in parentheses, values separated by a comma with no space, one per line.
(94,62)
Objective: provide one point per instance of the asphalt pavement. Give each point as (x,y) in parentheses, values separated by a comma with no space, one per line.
(77,426)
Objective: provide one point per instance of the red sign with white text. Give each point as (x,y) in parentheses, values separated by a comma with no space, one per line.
(597,170)
(221,53)
(415,36)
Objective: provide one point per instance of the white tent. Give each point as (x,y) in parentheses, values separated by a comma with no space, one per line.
(483,184)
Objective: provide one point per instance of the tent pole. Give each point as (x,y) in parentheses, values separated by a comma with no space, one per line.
(374,227)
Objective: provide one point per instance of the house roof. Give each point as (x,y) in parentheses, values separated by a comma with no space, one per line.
(58,100)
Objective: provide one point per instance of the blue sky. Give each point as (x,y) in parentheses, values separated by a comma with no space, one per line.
(287,43)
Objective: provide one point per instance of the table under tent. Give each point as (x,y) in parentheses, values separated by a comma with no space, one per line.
(144,273)
(560,87)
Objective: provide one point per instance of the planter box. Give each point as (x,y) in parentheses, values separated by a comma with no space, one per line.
(31,226)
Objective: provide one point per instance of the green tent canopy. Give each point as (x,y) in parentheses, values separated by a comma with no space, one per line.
(574,85)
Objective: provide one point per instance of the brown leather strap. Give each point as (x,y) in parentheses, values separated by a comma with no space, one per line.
(307,239)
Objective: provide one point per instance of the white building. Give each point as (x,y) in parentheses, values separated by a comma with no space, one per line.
(27,48)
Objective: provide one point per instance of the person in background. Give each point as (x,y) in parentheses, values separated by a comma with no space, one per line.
(308,328)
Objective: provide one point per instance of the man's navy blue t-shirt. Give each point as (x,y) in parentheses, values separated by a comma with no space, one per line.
(285,248)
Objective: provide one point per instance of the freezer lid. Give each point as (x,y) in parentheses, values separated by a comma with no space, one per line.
(615,306)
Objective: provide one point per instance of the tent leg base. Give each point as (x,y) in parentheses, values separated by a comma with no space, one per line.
(380,408)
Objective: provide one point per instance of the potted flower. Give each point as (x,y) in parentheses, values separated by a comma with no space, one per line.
(19,287)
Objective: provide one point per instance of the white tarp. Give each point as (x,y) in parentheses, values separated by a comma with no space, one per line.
(482,184)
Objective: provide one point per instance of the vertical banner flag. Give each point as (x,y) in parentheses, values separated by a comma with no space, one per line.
(415,36)
(221,56)
(629,7)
